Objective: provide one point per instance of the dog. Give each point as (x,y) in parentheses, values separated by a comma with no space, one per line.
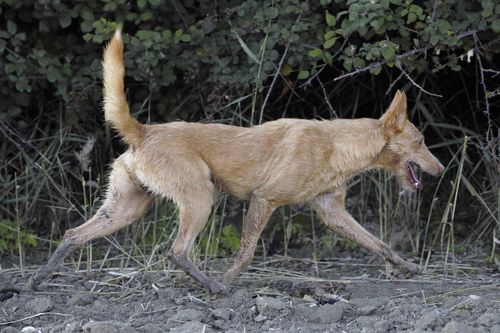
(287,161)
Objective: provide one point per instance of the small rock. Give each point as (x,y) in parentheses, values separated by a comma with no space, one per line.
(381,326)
(488,319)
(224,314)
(235,300)
(72,327)
(81,299)
(328,313)
(429,320)
(151,328)
(40,304)
(270,305)
(456,327)
(367,306)
(106,327)
(30,329)
(188,315)
(9,329)
(495,328)
(260,318)
(192,327)
(367,321)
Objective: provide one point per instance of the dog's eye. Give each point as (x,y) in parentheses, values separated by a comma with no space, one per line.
(420,142)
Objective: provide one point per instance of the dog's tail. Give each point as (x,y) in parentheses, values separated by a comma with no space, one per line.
(116,111)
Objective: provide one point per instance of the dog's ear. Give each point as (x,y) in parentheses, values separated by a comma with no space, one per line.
(394,119)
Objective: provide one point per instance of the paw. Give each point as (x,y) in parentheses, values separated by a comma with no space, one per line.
(37,278)
(217,287)
(33,282)
(410,268)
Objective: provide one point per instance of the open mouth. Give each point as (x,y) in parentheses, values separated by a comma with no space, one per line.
(411,175)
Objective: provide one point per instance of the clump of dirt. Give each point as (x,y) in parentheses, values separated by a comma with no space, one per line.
(157,302)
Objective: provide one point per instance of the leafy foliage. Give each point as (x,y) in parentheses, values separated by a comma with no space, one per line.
(52,48)
(12,236)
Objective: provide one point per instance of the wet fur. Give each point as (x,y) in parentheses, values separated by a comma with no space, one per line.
(281,162)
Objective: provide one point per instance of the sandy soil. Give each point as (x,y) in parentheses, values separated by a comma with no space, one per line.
(274,296)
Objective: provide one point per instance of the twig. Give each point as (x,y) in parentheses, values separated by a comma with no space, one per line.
(8,132)
(326,98)
(485,90)
(34,316)
(415,83)
(393,83)
(323,67)
(380,63)
(399,57)
(273,82)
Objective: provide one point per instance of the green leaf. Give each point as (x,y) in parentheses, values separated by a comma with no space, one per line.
(329,43)
(358,62)
(247,49)
(388,53)
(495,26)
(434,39)
(43,61)
(330,19)
(316,53)
(86,26)
(86,14)
(412,17)
(186,38)
(52,75)
(65,20)
(11,27)
(303,74)
(10,68)
(329,34)
(347,64)
(376,70)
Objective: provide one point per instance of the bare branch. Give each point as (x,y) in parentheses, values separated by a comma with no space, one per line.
(273,82)
(380,63)
(415,83)
(393,83)
(485,89)
(326,98)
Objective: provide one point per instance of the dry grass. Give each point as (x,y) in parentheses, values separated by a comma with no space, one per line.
(53,174)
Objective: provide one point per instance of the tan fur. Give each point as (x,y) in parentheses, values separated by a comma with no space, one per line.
(281,162)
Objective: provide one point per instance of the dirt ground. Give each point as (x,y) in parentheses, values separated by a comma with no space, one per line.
(274,295)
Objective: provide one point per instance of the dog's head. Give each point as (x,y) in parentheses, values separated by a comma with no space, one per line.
(405,149)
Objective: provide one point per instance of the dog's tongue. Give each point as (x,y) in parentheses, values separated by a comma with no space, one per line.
(415,181)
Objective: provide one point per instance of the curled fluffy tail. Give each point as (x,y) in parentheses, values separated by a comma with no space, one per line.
(116,111)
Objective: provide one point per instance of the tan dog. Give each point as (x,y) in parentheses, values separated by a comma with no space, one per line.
(281,162)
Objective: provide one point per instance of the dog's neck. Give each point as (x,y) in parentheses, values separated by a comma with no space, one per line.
(356,144)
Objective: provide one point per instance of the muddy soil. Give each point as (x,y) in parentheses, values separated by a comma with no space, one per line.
(274,296)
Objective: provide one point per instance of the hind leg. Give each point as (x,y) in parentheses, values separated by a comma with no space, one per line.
(195,205)
(125,202)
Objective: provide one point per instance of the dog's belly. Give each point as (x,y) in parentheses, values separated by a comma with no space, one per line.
(279,187)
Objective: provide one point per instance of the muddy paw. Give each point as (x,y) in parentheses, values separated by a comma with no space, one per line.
(217,287)
(411,268)
(37,278)
(33,282)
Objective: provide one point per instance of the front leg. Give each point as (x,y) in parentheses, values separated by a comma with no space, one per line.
(331,211)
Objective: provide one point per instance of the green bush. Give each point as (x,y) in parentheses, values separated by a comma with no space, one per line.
(52,48)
